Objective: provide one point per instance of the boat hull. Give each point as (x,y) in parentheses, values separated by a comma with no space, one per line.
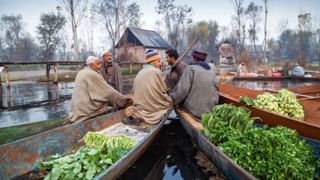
(21,157)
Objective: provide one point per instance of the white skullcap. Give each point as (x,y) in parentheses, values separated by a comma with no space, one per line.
(104,52)
(91,59)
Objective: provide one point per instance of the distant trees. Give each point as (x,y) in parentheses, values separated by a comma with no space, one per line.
(116,15)
(176,18)
(207,42)
(76,10)
(48,33)
(16,44)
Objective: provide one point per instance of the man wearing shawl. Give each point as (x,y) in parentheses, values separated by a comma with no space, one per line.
(92,94)
(111,71)
(197,89)
(150,98)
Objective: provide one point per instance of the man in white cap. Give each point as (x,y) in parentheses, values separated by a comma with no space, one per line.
(111,71)
(92,94)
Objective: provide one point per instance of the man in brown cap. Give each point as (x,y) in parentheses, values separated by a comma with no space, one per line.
(111,71)
(197,89)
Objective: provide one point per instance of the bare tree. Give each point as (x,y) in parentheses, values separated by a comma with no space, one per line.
(175,17)
(115,16)
(134,14)
(240,31)
(253,12)
(48,31)
(265,29)
(76,10)
(12,26)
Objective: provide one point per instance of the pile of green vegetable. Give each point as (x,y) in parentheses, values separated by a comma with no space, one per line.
(98,154)
(275,153)
(224,119)
(284,103)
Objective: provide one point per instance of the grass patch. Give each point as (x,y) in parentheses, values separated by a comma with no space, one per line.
(13,78)
(66,77)
(24,67)
(125,70)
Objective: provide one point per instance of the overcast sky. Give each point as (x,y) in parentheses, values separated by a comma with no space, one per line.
(218,10)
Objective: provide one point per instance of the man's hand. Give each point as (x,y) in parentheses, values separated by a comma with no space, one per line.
(129,102)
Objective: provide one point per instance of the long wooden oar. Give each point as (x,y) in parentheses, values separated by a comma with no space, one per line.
(185,52)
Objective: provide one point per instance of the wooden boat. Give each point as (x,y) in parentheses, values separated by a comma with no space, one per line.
(309,127)
(228,167)
(283,78)
(20,157)
(312,90)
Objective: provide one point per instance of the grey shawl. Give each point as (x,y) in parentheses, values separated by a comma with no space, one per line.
(196,91)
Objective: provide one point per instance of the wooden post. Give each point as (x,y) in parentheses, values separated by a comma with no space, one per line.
(1,99)
(130,68)
(9,103)
(55,69)
(7,75)
(0,80)
(48,67)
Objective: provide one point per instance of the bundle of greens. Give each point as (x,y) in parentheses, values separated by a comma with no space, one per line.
(99,153)
(224,120)
(284,103)
(277,153)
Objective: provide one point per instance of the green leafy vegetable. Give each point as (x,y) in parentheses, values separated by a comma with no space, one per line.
(99,153)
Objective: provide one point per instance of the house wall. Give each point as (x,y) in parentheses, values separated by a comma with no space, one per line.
(136,54)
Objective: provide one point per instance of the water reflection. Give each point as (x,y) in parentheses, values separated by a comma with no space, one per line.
(31,92)
(172,156)
(278,84)
(33,102)
(36,114)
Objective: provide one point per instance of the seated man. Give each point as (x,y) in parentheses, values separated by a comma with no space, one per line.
(150,98)
(297,70)
(241,68)
(92,94)
(197,89)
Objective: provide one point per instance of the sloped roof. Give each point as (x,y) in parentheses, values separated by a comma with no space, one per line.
(142,37)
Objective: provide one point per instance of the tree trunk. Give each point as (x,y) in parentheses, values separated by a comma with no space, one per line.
(265,31)
(74,31)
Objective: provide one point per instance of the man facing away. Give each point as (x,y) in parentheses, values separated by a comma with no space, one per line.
(111,71)
(197,89)
(150,98)
(176,69)
(297,70)
(92,94)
